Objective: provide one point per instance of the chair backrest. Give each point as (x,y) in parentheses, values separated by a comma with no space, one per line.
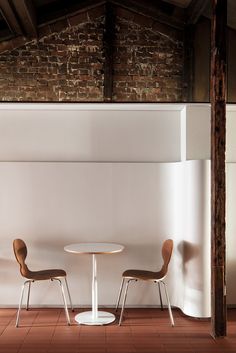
(20,251)
(167,249)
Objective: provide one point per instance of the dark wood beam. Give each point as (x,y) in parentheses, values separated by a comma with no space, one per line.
(218,142)
(195,10)
(108,45)
(152,10)
(10,17)
(49,13)
(188,62)
(231,67)
(27,17)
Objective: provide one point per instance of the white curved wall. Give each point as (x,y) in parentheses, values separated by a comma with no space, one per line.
(231,204)
(73,173)
(139,205)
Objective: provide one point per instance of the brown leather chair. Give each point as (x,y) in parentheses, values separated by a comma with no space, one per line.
(157,277)
(20,251)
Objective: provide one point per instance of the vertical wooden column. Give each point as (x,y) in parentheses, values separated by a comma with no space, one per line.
(188,62)
(108,45)
(218,142)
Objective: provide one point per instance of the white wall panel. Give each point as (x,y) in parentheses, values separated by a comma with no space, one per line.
(137,204)
(51,205)
(231,231)
(76,133)
(198,131)
(196,238)
(230,134)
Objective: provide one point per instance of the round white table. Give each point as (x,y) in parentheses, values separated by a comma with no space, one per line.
(94,317)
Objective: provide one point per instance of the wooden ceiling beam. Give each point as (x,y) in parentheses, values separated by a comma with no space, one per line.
(27,17)
(49,13)
(153,11)
(10,17)
(108,45)
(195,10)
(22,20)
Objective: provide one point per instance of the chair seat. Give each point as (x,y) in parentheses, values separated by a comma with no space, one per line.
(46,274)
(143,275)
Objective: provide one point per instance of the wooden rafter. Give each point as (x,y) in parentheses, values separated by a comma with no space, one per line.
(10,17)
(155,12)
(195,10)
(27,16)
(218,142)
(21,18)
(50,13)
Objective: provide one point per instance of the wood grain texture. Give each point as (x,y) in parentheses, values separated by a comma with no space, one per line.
(108,39)
(218,142)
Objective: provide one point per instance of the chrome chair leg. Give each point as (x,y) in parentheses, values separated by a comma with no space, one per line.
(124,300)
(67,287)
(20,303)
(64,300)
(159,288)
(120,291)
(169,306)
(28,296)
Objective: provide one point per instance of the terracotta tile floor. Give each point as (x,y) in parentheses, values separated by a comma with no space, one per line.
(143,331)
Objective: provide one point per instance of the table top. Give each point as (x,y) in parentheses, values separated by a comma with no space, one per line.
(94,248)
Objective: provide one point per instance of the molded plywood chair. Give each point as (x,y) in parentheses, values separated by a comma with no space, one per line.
(157,277)
(20,251)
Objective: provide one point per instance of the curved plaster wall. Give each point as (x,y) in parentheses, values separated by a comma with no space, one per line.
(74,173)
(51,205)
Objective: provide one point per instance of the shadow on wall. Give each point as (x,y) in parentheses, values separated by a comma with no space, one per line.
(9,270)
(192,263)
(230,280)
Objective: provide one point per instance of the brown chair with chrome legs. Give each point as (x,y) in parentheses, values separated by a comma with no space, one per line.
(156,277)
(20,251)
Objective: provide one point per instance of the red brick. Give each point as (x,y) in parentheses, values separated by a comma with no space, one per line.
(67,65)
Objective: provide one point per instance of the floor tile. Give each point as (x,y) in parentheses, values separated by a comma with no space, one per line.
(142,331)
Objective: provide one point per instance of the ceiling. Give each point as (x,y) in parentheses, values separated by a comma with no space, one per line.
(180,3)
(23,18)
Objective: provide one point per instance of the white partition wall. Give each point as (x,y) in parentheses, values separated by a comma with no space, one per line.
(198,132)
(130,174)
(231,204)
(89,133)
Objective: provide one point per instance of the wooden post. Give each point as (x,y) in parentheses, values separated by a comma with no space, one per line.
(218,141)
(108,39)
(188,62)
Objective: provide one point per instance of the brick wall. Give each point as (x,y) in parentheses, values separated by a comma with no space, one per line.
(148,61)
(67,64)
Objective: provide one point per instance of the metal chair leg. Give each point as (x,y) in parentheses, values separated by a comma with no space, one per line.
(120,291)
(169,306)
(124,300)
(159,288)
(28,296)
(67,287)
(20,303)
(64,300)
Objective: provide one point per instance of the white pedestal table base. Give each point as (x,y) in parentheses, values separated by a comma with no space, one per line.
(102,318)
(94,317)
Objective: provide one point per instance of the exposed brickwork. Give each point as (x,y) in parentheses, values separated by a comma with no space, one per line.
(66,64)
(148,65)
